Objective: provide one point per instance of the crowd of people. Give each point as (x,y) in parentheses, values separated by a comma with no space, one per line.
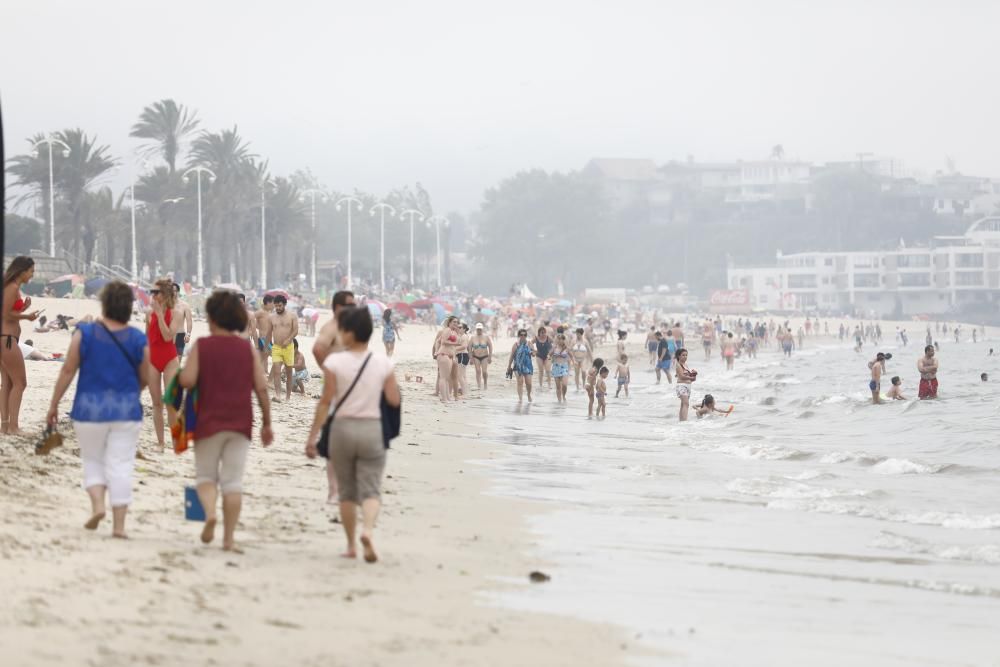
(254,352)
(114,363)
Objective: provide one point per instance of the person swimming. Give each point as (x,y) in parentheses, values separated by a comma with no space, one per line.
(707,408)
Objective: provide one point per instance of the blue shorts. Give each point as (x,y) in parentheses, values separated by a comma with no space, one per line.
(873,385)
(663,364)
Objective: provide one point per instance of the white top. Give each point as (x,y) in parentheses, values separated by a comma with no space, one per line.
(26,350)
(365,401)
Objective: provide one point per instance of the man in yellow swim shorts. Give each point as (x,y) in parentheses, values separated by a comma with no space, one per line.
(284,329)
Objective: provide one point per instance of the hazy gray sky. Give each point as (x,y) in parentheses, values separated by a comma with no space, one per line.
(460,94)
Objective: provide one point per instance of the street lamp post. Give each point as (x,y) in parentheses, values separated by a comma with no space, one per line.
(263,236)
(135,259)
(50,139)
(412,213)
(438,220)
(381,207)
(351,202)
(312,192)
(199,170)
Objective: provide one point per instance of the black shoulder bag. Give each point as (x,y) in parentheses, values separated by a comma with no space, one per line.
(391,420)
(123,350)
(323,446)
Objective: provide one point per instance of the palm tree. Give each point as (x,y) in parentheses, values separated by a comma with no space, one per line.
(289,236)
(31,171)
(223,152)
(165,124)
(87,162)
(228,199)
(166,220)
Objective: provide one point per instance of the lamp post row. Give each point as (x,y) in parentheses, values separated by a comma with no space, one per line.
(351,202)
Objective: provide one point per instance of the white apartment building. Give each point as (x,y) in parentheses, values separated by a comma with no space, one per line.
(951,273)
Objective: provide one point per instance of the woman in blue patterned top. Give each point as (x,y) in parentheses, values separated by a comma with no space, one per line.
(520,364)
(107,415)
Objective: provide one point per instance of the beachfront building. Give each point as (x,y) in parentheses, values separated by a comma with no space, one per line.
(950,274)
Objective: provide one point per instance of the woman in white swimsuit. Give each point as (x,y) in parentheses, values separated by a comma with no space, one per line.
(581,354)
(685,376)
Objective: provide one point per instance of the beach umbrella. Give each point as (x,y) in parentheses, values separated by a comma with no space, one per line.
(488,312)
(278,292)
(94,285)
(422,304)
(375,309)
(71,278)
(404,309)
(439,312)
(410,298)
(377,303)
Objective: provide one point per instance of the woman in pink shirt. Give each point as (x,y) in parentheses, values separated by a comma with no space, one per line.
(354,382)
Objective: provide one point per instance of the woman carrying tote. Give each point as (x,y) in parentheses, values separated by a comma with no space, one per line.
(107,416)
(227,371)
(354,383)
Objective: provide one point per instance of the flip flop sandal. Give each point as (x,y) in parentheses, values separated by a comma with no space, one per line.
(51,438)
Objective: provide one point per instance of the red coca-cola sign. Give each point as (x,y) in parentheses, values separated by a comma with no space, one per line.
(729,300)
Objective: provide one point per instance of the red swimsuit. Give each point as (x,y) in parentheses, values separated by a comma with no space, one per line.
(161,352)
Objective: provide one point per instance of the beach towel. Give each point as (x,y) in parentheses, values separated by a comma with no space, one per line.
(182,412)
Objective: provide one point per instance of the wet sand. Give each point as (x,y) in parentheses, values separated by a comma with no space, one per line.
(162,598)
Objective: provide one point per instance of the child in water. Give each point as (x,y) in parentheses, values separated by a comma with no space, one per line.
(623,374)
(601,393)
(896,391)
(707,407)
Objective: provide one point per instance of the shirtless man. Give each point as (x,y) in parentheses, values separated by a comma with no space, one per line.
(678,332)
(875,384)
(707,335)
(327,342)
(250,333)
(262,322)
(927,365)
(183,336)
(284,329)
(651,342)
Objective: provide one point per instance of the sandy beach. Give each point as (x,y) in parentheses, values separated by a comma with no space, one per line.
(477,496)
(74,597)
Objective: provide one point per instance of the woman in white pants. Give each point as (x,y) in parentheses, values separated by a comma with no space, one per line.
(107,416)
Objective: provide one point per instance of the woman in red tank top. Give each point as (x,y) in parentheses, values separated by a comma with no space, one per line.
(227,371)
(162,325)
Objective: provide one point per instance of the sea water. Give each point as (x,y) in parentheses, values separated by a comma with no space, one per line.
(809,527)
